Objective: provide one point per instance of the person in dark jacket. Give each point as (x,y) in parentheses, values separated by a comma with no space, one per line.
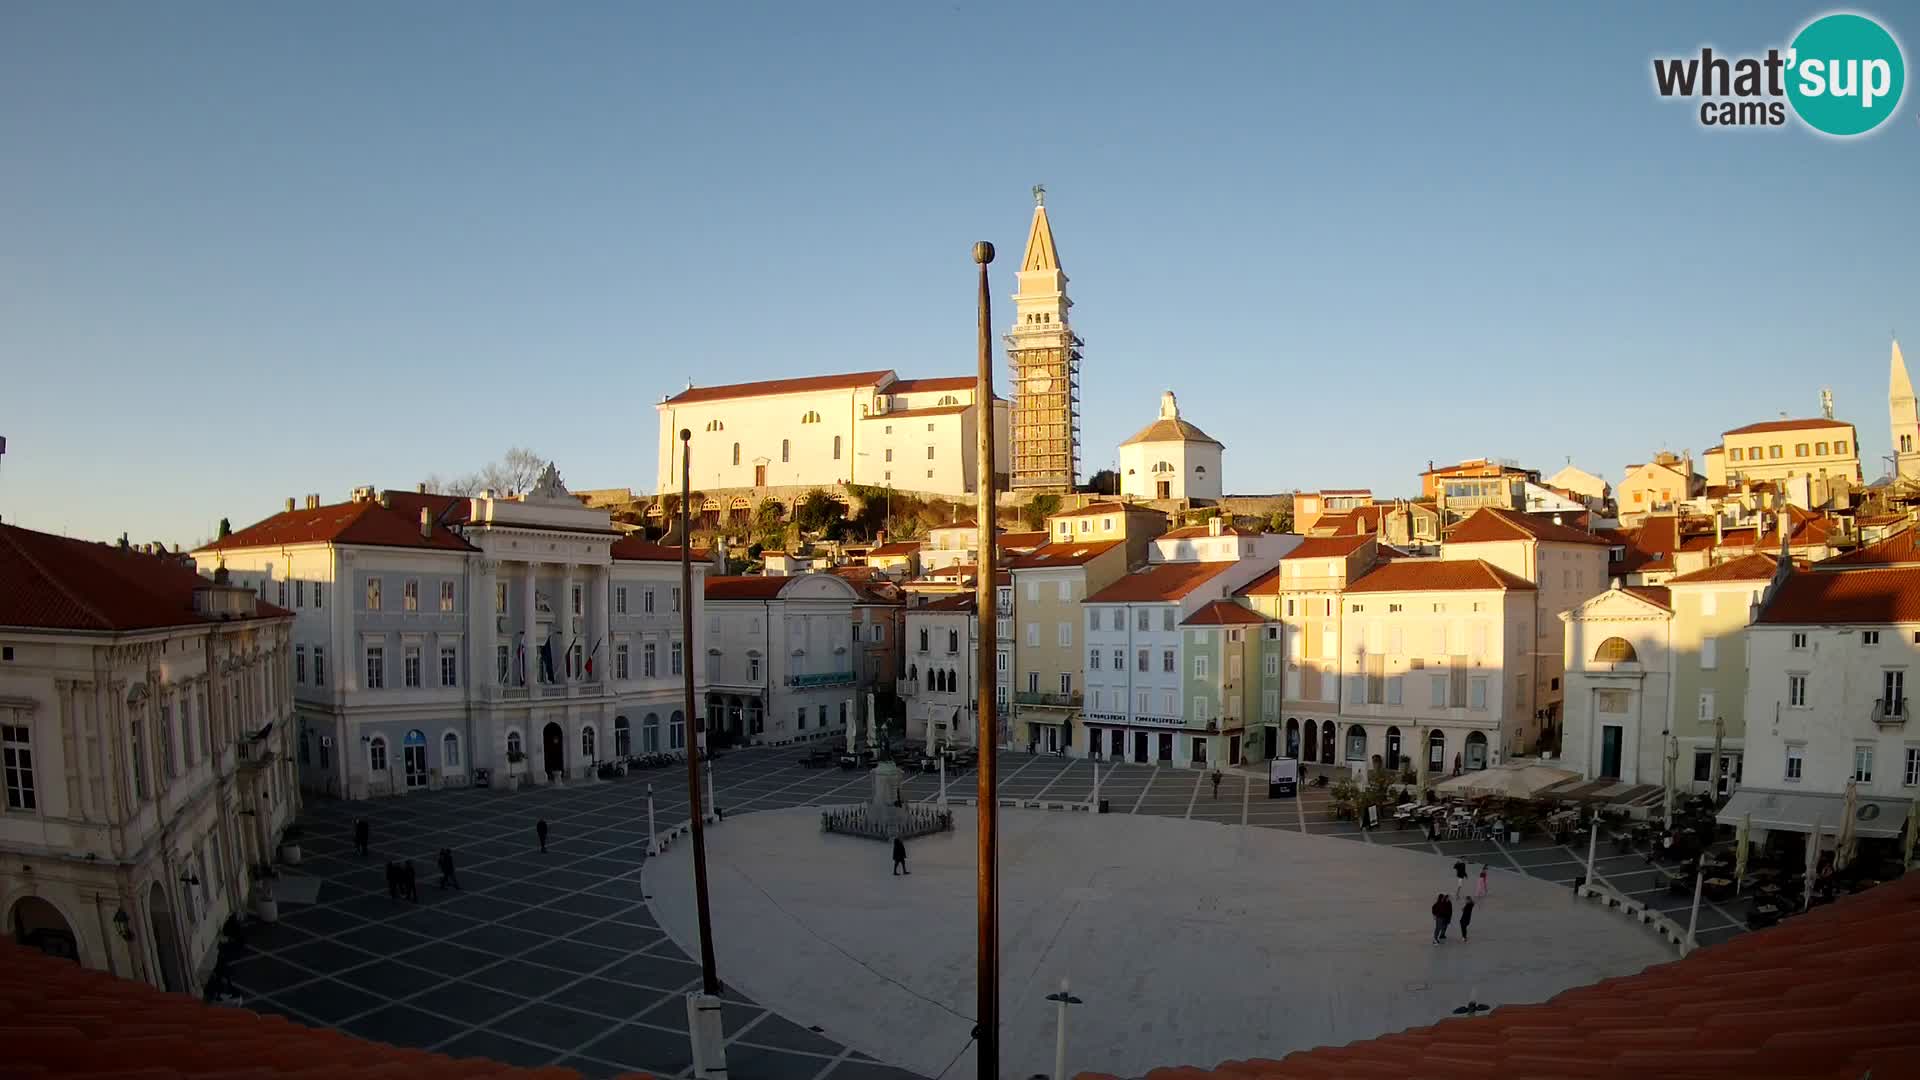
(900,857)
(361,834)
(393,880)
(412,883)
(446,869)
(540,830)
(1466,916)
(1442,917)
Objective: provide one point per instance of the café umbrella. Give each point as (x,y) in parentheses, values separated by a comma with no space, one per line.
(1742,836)
(1913,827)
(1844,846)
(1518,780)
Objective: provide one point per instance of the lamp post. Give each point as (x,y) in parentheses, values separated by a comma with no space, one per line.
(986,1030)
(703,1006)
(653,830)
(1062,1000)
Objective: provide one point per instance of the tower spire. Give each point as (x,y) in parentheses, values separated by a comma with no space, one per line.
(1904,417)
(1045,356)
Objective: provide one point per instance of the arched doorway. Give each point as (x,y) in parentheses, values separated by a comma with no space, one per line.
(1393,748)
(622,737)
(1312,743)
(1293,737)
(1476,750)
(37,924)
(1436,751)
(650,733)
(1356,743)
(553,745)
(166,950)
(413,754)
(1329,733)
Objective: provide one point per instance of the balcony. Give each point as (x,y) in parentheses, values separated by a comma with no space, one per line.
(1890,713)
(1052,701)
(252,753)
(831,678)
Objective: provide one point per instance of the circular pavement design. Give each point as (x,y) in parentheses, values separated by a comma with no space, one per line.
(1189,944)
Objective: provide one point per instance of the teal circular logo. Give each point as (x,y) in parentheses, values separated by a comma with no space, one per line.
(1845,74)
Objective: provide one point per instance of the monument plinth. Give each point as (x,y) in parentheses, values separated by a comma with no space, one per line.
(887,815)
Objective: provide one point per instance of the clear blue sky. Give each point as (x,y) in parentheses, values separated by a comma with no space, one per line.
(249,252)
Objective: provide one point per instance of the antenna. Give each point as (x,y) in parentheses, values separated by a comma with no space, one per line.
(1826,402)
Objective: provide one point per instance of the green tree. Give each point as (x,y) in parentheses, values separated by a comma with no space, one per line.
(1280,521)
(769,524)
(1104,482)
(819,512)
(1038,509)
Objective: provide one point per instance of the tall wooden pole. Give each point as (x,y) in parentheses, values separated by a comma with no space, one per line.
(696,723)
(986,737)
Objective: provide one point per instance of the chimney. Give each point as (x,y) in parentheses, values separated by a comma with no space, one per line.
(386,501)
(313,502)
(1213,525)
(1718,534)
(420,488)
(426,523)
(289,504)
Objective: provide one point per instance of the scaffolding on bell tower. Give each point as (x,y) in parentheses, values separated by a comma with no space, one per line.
(1044,354)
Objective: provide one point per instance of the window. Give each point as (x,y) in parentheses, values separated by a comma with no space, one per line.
(300,665)
(646,602)
(1033,682)
(373,594)
(1799,449)
(1142,619)
(513,743)
(446,596)
(319,665)
(1840,447)
(1166,661)
(1066,682)
(676,731)
(620,600)
(1199,667)
(1093,619)
(736,453)
(675,598)
(1910,775)
(410,595)
(1820,448)
(1477,693)
(929,449)
(1709,653)
(377,754)
(1733,454)
(1272,665)
(1119,619)
(16,748)
(1394,691)
(1869,637)
(889,454)
(1773,452)
(1863,764)
(1893,692)
(753,669)
(1799,639)
(1093,659)
(1066,591)
(1795,757)
(450,750)
(1439,697)
(1702,766)
(299,594)
(587,743)
(1796,692)
(1120,660)
(622,661)
(1166,618)
(786,450)
(1066,635)
(169,757)
(282,601)
(1706,707)
(502,664)
(410,661)
(1033,635)
(500,597)
(1140,661)
(836,448)
(575,600)
(376,667)
(1615,651)
(673,656)
(449,666)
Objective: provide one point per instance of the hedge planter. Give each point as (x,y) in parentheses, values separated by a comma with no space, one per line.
(290,854)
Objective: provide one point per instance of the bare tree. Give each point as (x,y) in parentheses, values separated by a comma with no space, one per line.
(515,472)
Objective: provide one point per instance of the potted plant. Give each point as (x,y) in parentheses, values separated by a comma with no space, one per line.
(290,845)
(265,907)
(514,758)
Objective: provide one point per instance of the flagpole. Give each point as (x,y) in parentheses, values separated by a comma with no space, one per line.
(710,979)
(986,1029)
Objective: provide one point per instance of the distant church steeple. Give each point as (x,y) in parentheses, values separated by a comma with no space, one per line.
(1045,356)
(1904,418)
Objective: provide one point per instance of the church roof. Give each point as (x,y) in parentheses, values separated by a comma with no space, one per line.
(809,384)
(1170,429)
(1041,254)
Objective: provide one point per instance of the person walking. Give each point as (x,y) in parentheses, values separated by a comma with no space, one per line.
(393,880)
(446,869)
(412,882)
(1466,916)
(1216,785)
(361,834)
(1459,879)
(1442,915)
(1481,889)
(900,857)
(540,830)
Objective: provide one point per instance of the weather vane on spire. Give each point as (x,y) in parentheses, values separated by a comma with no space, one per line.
(1039,194)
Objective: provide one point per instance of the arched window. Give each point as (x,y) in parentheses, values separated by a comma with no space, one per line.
(913,674)
(949,399)
(677,731)
(449,751)
(1615,651)
(650,733)
(715,425)
(586,742)
(513,743)
(377,754)
(786,448)
(1356,743)
(810,417)
(1201,469)
(622,737)
(1436,749)
(836,448)
(736,453)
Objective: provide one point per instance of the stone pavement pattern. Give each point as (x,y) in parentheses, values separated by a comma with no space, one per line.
(558,960)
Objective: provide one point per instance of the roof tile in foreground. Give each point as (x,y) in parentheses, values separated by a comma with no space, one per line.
(1823,996)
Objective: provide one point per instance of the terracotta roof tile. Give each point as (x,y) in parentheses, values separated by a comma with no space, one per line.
(1489,524)
(1170,429)
(1160,582)
(1070,553)
(956,602)
(1223,613)
(1267,584)
(1786,425)
(927,386)
(1020,541)
(931,410)
(1189,532)
(745,587)
(1328,547)
(850,381)
(364,523)
(636,548)
(54,582)
(898,547)
(1653,594)
(1901,548)
(1836,597)
(1744,568)
(1108,507)
(1422,575)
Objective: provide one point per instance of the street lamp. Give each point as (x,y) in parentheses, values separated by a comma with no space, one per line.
(1062,999)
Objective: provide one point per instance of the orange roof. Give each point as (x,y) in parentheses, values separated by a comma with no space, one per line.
(1744,568)
(1106,508)
(926,386)
(1267,584)
(931,410)
(1223,613)
(65,1020)
(745,587)
(57,583)
(852,380)
(364,523)
(1423,575)
(1070,553)
(1902,547)
(1188,532)
(1810,999)
(636,548)
(1649,547)
(1160,582)
(1786,425)
(956,602)
(1835,597)
(1020,541)
(1806,529)
(1652,594)
(446,509)
(898,547)
(1328,547)
(1489,524)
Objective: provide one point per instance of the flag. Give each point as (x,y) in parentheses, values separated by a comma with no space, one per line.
(546,659)
(591,653)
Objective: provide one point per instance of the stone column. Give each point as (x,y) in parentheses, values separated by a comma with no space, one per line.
(599,603)
(526,651)
(485,625)
(563,609)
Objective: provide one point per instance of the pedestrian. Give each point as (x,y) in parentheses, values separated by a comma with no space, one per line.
(361,833)
(1481,890)
(393,880)
(1466,916)
(412,883)
(900,857)
(1216,784)
(1442,914)
(1459,879)
(540,830)
(1456,764)
(446,869)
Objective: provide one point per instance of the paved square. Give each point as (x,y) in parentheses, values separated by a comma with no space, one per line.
(572,930)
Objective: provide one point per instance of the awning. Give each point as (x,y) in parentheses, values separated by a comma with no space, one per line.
(1800,811)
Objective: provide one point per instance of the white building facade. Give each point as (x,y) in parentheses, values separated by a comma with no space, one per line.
(781,657)
(942,682)
(1619,689)
(1171,459)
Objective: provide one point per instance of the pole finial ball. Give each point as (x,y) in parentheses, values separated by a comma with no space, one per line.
(686,434)
(983,253)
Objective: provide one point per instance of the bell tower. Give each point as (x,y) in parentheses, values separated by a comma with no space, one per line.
(1045,355)
(1904,417)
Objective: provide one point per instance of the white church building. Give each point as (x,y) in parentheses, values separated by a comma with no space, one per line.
(1171,459)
